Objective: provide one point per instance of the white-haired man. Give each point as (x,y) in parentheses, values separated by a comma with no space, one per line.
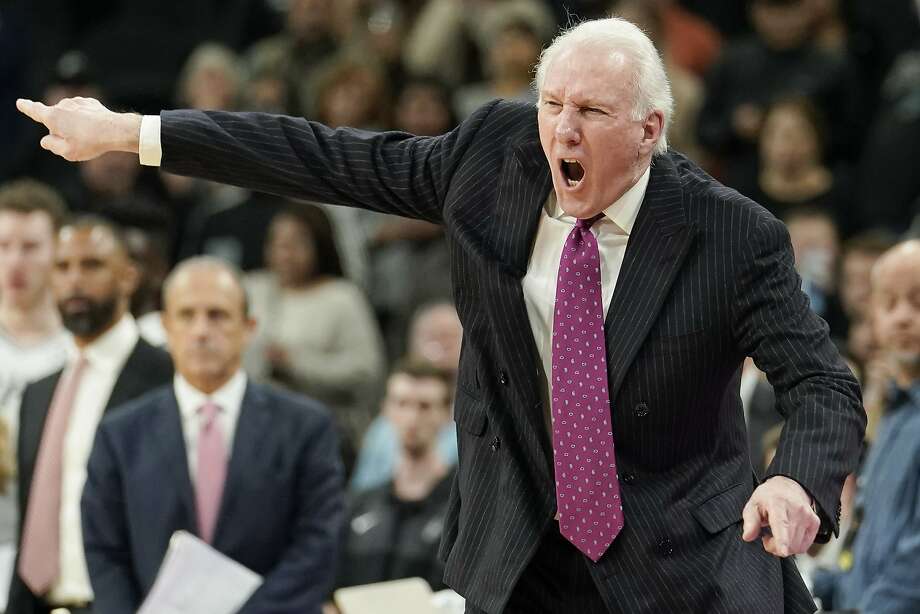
(549,210)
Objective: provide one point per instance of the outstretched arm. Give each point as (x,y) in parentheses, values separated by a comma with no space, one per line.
(390,172)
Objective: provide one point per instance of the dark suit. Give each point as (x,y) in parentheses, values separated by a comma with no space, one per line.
(280,514)
(707,279)
(146,368)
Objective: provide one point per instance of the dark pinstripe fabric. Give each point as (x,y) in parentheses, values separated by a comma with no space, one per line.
(707,279)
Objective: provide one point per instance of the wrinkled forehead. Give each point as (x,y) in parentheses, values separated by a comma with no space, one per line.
(587,71)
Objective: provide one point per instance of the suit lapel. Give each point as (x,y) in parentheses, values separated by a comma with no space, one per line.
(252,431)
(657,247)
(130,379)
(525,184)
(175,454)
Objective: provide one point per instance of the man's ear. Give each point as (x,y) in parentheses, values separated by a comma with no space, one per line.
(652,127)
(130,279)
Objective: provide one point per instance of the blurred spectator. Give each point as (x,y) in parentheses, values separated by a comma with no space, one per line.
(434,337)
(509,65)
(450,37)
(308,41)
(686,87)
(781,60)
(108,364)
(32,340)
(149,252)
(423,108)
(436,334)
(792,171)
(352,93)
(888,193)
(816,245)
(880,574)
(227,451)
(212,78)
(394,530)
(316,332)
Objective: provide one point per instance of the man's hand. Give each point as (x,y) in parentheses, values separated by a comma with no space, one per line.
(82,128)
(783,505)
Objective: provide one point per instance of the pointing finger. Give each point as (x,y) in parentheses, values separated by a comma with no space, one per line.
(35,110)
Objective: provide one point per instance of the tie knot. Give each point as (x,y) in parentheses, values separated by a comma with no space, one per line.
(585,224)
(209,411)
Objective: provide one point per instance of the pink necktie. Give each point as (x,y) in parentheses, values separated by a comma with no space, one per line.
(39,558)
(587,488)
(212,470)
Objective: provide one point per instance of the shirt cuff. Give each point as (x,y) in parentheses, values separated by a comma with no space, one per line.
(149,148)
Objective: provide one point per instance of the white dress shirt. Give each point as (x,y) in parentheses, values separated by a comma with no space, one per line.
(228,397)
(612,233)
(105,358)
(149,149)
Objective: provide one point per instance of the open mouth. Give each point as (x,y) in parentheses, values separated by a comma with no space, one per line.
(572,171)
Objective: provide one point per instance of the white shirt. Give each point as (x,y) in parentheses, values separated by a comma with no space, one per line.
(106,357)
(228,397)
(22,364)
(149,149)
(612,233)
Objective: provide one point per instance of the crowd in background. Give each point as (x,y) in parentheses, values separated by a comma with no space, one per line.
(809,107)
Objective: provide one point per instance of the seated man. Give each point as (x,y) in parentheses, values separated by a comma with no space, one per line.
(253,471)
(880,573)
(394,530)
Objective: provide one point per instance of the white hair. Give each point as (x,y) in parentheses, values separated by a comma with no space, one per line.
(622,38)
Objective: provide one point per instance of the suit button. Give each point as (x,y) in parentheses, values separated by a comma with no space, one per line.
(496,444)
(629,477)
(665,547)
(641,410)
(503,378)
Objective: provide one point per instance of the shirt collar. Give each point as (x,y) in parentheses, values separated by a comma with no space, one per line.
(112,348)
(904,397)
(623,212)
(228,397)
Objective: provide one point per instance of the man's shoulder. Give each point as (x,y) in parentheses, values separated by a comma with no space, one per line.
(139,414)
(286,405)
(707,200)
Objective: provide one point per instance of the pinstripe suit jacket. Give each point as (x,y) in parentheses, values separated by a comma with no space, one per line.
(707,279)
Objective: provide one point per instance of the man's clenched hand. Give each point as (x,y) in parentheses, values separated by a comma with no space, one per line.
(82,128)
(782,505)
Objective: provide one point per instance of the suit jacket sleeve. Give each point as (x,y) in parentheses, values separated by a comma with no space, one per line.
(390,172)
(815,391)
(300,582)
(105,533)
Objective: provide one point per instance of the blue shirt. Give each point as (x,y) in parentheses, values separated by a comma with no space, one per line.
(885,577)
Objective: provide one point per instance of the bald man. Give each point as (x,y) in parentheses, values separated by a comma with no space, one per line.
(882,574)
(251,470)
(108,364)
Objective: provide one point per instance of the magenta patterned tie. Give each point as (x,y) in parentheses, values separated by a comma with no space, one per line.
(212,471)
(590,512)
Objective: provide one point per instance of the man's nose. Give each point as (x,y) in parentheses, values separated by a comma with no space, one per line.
(568,129)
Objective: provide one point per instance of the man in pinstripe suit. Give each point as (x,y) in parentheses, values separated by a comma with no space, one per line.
(693,276)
